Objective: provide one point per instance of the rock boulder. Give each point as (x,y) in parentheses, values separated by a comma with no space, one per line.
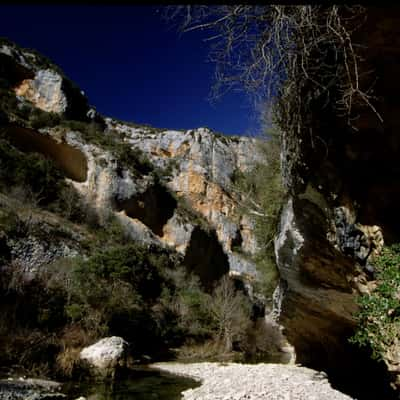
(106,356)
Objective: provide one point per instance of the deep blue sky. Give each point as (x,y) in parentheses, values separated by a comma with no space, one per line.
(131,64)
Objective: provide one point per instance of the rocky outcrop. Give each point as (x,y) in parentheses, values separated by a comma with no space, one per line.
(201,165)
(44,91)
(30,389)
(183,193)
(146,207)
(106,356)
(42,238)
(38,80)
(262,381)
(344,191)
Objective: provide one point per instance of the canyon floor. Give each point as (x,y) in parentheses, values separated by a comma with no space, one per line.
(233,381)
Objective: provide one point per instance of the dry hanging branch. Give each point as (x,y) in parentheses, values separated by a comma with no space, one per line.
(290,55)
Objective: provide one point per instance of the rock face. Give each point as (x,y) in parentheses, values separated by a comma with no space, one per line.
(44,91)
(201,165)
(184,193)
(189,169)
(106,355)
(344,191)
(254,382)
(36,79)
(32,250)
(145,206)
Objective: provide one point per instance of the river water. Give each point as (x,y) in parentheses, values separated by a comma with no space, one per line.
(141,384)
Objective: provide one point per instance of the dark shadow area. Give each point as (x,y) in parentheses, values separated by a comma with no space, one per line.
(350,370)
(321,340)
(5,252)
(206,258)
(366,165)
(154,207)
(237,241)
(78,105)
(69,159)
(12,73)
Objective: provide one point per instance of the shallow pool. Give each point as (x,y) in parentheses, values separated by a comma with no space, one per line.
(141,384)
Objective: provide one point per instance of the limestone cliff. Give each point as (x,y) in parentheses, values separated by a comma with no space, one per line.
(344,194)
(178,193)
(38,80)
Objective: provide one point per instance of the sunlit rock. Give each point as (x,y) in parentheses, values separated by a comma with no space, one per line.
(106,355)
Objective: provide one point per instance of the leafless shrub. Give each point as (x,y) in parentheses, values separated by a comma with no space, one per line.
(68,360)
(231,312)
(292,54)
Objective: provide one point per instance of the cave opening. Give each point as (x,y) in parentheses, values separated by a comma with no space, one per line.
(154,207)
(70,160)
(205,257)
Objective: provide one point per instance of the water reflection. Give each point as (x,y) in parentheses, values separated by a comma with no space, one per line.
(141,384)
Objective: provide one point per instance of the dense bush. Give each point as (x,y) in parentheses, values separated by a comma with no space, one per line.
(115,290)
(141,293)
(147,297)
(379,314)
(190,303)
(40,119)
(8,101)
(32,315)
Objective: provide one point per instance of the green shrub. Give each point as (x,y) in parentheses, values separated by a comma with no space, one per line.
(37,181)
(379,314)
(191,305)
(262,196)
(117,291)
(8,101)
(10,223)
(71,205)
(40,119)
(130,263)
(132,158)
(30,171)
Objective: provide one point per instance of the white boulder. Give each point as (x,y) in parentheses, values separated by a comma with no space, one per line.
(106,355)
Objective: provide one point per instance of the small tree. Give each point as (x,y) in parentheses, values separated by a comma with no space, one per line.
(230,310)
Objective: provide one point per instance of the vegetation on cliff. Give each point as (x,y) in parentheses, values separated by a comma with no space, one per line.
(261,195)
(379,315)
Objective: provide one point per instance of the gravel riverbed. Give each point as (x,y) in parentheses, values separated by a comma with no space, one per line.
(232,381)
